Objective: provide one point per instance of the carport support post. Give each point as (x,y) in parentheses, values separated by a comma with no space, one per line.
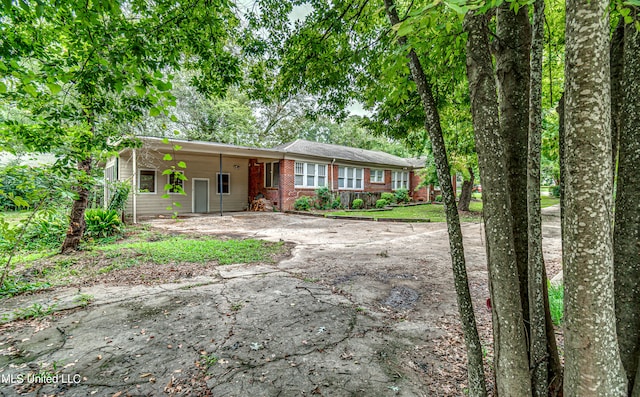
(220,184)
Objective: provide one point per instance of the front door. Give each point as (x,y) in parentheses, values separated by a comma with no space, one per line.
(201,195)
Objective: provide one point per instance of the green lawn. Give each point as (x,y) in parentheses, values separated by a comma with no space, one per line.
(433,212)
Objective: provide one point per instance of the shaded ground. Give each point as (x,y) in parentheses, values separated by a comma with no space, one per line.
(358,309)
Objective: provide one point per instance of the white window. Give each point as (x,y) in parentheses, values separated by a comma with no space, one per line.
(350,178)
(223,183)
(175,182)
(272,174)
(310,175)
(377,176)
(147,181)
(399,180)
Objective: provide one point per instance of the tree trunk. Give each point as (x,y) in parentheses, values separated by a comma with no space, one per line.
(465,193)
(76,220)
(475,371)
(616,64)
(539,357)
(510,344)
(626,245)
(593,366)
(512,71)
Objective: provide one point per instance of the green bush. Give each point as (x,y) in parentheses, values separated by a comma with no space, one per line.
(439,198)
(102,223)
(402,196)
(323,198)
(357,204)
(119,197)
(303,203)
(556,303)
(390,198)
(381,203)
(555,191)
(46,231)
(337,203)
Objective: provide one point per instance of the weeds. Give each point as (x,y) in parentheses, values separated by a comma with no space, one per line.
(208,360)
(84,300)
(34,311)
(556,303)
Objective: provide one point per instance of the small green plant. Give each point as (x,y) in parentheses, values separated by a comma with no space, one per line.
(34,311)
(237,306)
(121,191)
(439,198)
(381,203)
(357,204)
(83,300)
(390,198)
(102,223)
(402,196)
(555,191)
(208,360)
(303,203)
(556,303)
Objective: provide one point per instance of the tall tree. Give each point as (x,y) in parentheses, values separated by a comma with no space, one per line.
(79,69)
(593,365)
(510,344)
(626,247)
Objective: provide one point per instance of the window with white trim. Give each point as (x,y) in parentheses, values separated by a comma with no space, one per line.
(223,183)
(310,175)
(146,181)
(350,178)
(272,174)
(399,180)
(377,176)
(175,182)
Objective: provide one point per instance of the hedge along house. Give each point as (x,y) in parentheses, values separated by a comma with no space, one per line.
(221,177)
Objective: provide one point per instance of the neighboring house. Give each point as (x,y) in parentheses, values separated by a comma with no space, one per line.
(222,177)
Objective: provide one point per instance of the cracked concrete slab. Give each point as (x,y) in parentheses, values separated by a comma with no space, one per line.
(353,312)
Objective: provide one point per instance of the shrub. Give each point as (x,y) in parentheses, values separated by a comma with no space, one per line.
(323,196)
(102,223)
(555,191)
(381,203)
(46,231)
(402,196)
(337,203)
(390,198)
(357,204)
(303,203)
(439,198)
(120,194)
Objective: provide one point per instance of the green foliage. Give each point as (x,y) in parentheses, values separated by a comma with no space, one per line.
(381,203)
(47,230)
(303,203)
(556,303)
(555,191)
(12,287)
(337,203)
(439,198)
(84,300)
(357,204)
(184,249)
(208,360)
(36,310)
(102,223)
(434,213)
(390,198)
(323,198)
(402,196)
(22,186)
(120,195)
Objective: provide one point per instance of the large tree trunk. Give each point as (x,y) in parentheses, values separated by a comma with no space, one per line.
(465,193)
(76,220)
(510,343)
(616,64)
(539,356)
(626,246)
(475,371)
(512,71)
(593,366)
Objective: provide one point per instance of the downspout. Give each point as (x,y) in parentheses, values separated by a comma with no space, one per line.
(220,183)
(332,175)
(135,187)
(280,169)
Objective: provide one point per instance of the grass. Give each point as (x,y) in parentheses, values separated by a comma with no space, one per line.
(201,250)
(556,305)
(433,212)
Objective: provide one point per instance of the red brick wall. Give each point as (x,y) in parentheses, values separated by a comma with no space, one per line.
(256,178)
(377,187)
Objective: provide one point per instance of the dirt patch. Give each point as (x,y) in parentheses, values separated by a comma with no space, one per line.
(359,308)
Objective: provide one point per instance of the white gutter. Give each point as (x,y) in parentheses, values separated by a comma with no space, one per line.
(135,187)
